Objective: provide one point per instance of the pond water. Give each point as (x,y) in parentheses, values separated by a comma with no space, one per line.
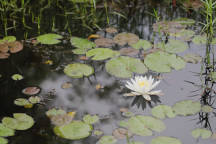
(83,96)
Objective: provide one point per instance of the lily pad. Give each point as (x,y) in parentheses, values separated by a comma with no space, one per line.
(21,102)
(126,38)
(102,53)
(123,67)
(4,55)
(34,99)
(78,70)
(111,30)
(5,131)
(21,121)
(121,133)
(17,77)
(3,140)
(199,39)
(107,140)
(165,140)
(60,120)
(192,58)
(15,46)
(54,112)
(142,44)
(31,90)
(200,132)
(174,46)
(185,21)
(213,76)
(168,27)
(163,62)
(98,132)
(82,45)
(207,109)
(185,35)
(123,124)
(187,107)
(49,38)
(90,119)
(161,111)
(4,48)
(104,42)
(73,131)
(8,39)
(129,51)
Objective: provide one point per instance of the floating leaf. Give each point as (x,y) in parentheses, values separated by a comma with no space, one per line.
(104,42)
(49,38)
(66,85)
(31,90)
(4,55)
(15,46)
(203,133)
(168,27)
(73,131)
(187,107)
(174,46)
(82,45)
(129,51)
(207,109)
(163,62)
(123,67)
(98,132)
(192,58)
(5,131)
(185,35)
(21,121)
(102,53)
(28,105)
(60,120)
(142,44)
(17,77)
(78,70)
(54,112)
(107,140)
(3,140)
(121,133)
(185,21)
(8,39)
(34,99)
(21,102)
(165,140)
(123,124)
(4,48)
(111,30)
(199,39)
(126,38)
(161,111)
(90,119)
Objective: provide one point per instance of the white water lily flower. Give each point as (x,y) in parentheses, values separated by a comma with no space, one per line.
(143,86)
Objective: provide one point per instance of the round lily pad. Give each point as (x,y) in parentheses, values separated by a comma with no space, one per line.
(174,46)
(17,77)
(82,45)
(200,132)
(163,62)
(104,42)
(102,53)
(129,51)
(54,112)
(187,107)
(121,133)
(21,121)
(142,44)
(21,102)
(4,48)
(34,99)
(192,58)
(199,39)
(107,140)
(124,66)
(185,35)
(3,140)
(90,119)
(15,46)
(111,30)
(49,38)
(78,70)
(165,140)
(161,111)
(5,131)
(31,90)
(74,130)
(126,38)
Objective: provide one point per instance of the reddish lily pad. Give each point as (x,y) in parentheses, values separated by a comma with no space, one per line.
(15,46)
(31,90)
(126,38)
(4,47)
(104,42)
(111,30)
(4,55)
(129,51)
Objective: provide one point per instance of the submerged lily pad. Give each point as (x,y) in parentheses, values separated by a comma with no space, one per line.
(107,140)
(165,140)
(142,44)
(174,46)
(74,130)
(21,121)
(126,38)
(78,70)
(102,53)
(161,111)
(90,119)
(3,140)
(200,132)
(5,131)
(82,45)
(49,38)
(184,34)
(17,77)
(192,58)
(187,107)
(123,67)
(164,62)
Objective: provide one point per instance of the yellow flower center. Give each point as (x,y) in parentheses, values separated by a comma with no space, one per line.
(143,83)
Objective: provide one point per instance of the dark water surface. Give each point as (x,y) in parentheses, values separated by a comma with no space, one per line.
(84,98)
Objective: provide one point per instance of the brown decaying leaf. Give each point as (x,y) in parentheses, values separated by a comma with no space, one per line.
(194,4)
(126,38)
(129,51)
(4,55)
(111,30)
(121,133)
(66,85)
(31,90)
(83,58)
(60,120)
(15,46)
(4,48)
(104,42)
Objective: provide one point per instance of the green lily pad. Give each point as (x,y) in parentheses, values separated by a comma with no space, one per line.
(163,62)
(17,77)
(165,140)
(168,27)
(174,46)
(142,44)
(82,45)
(126,38)
(161,111)
(21,102)
(21,121)
(213,76)
(107,140)
(3,140)
(207,109)
(34,99)
(187,107)
(74,130)
(90,119)
(124,66)
(55,112)
(192,58)
(199,39)
(49,38)
(78,70)
(185,35)
(185,21)
(8,39)
(98,132)
(102,53)
(5,131)
(123,124)
(142,125)
(203,133)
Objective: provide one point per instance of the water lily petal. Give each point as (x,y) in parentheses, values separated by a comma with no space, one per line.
(147,97)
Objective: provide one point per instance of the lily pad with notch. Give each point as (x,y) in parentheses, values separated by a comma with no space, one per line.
(201,132)
(161,111)
(142,44)
(49,39)
(102,53)
(5,131)
(90,119)
(126,38)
